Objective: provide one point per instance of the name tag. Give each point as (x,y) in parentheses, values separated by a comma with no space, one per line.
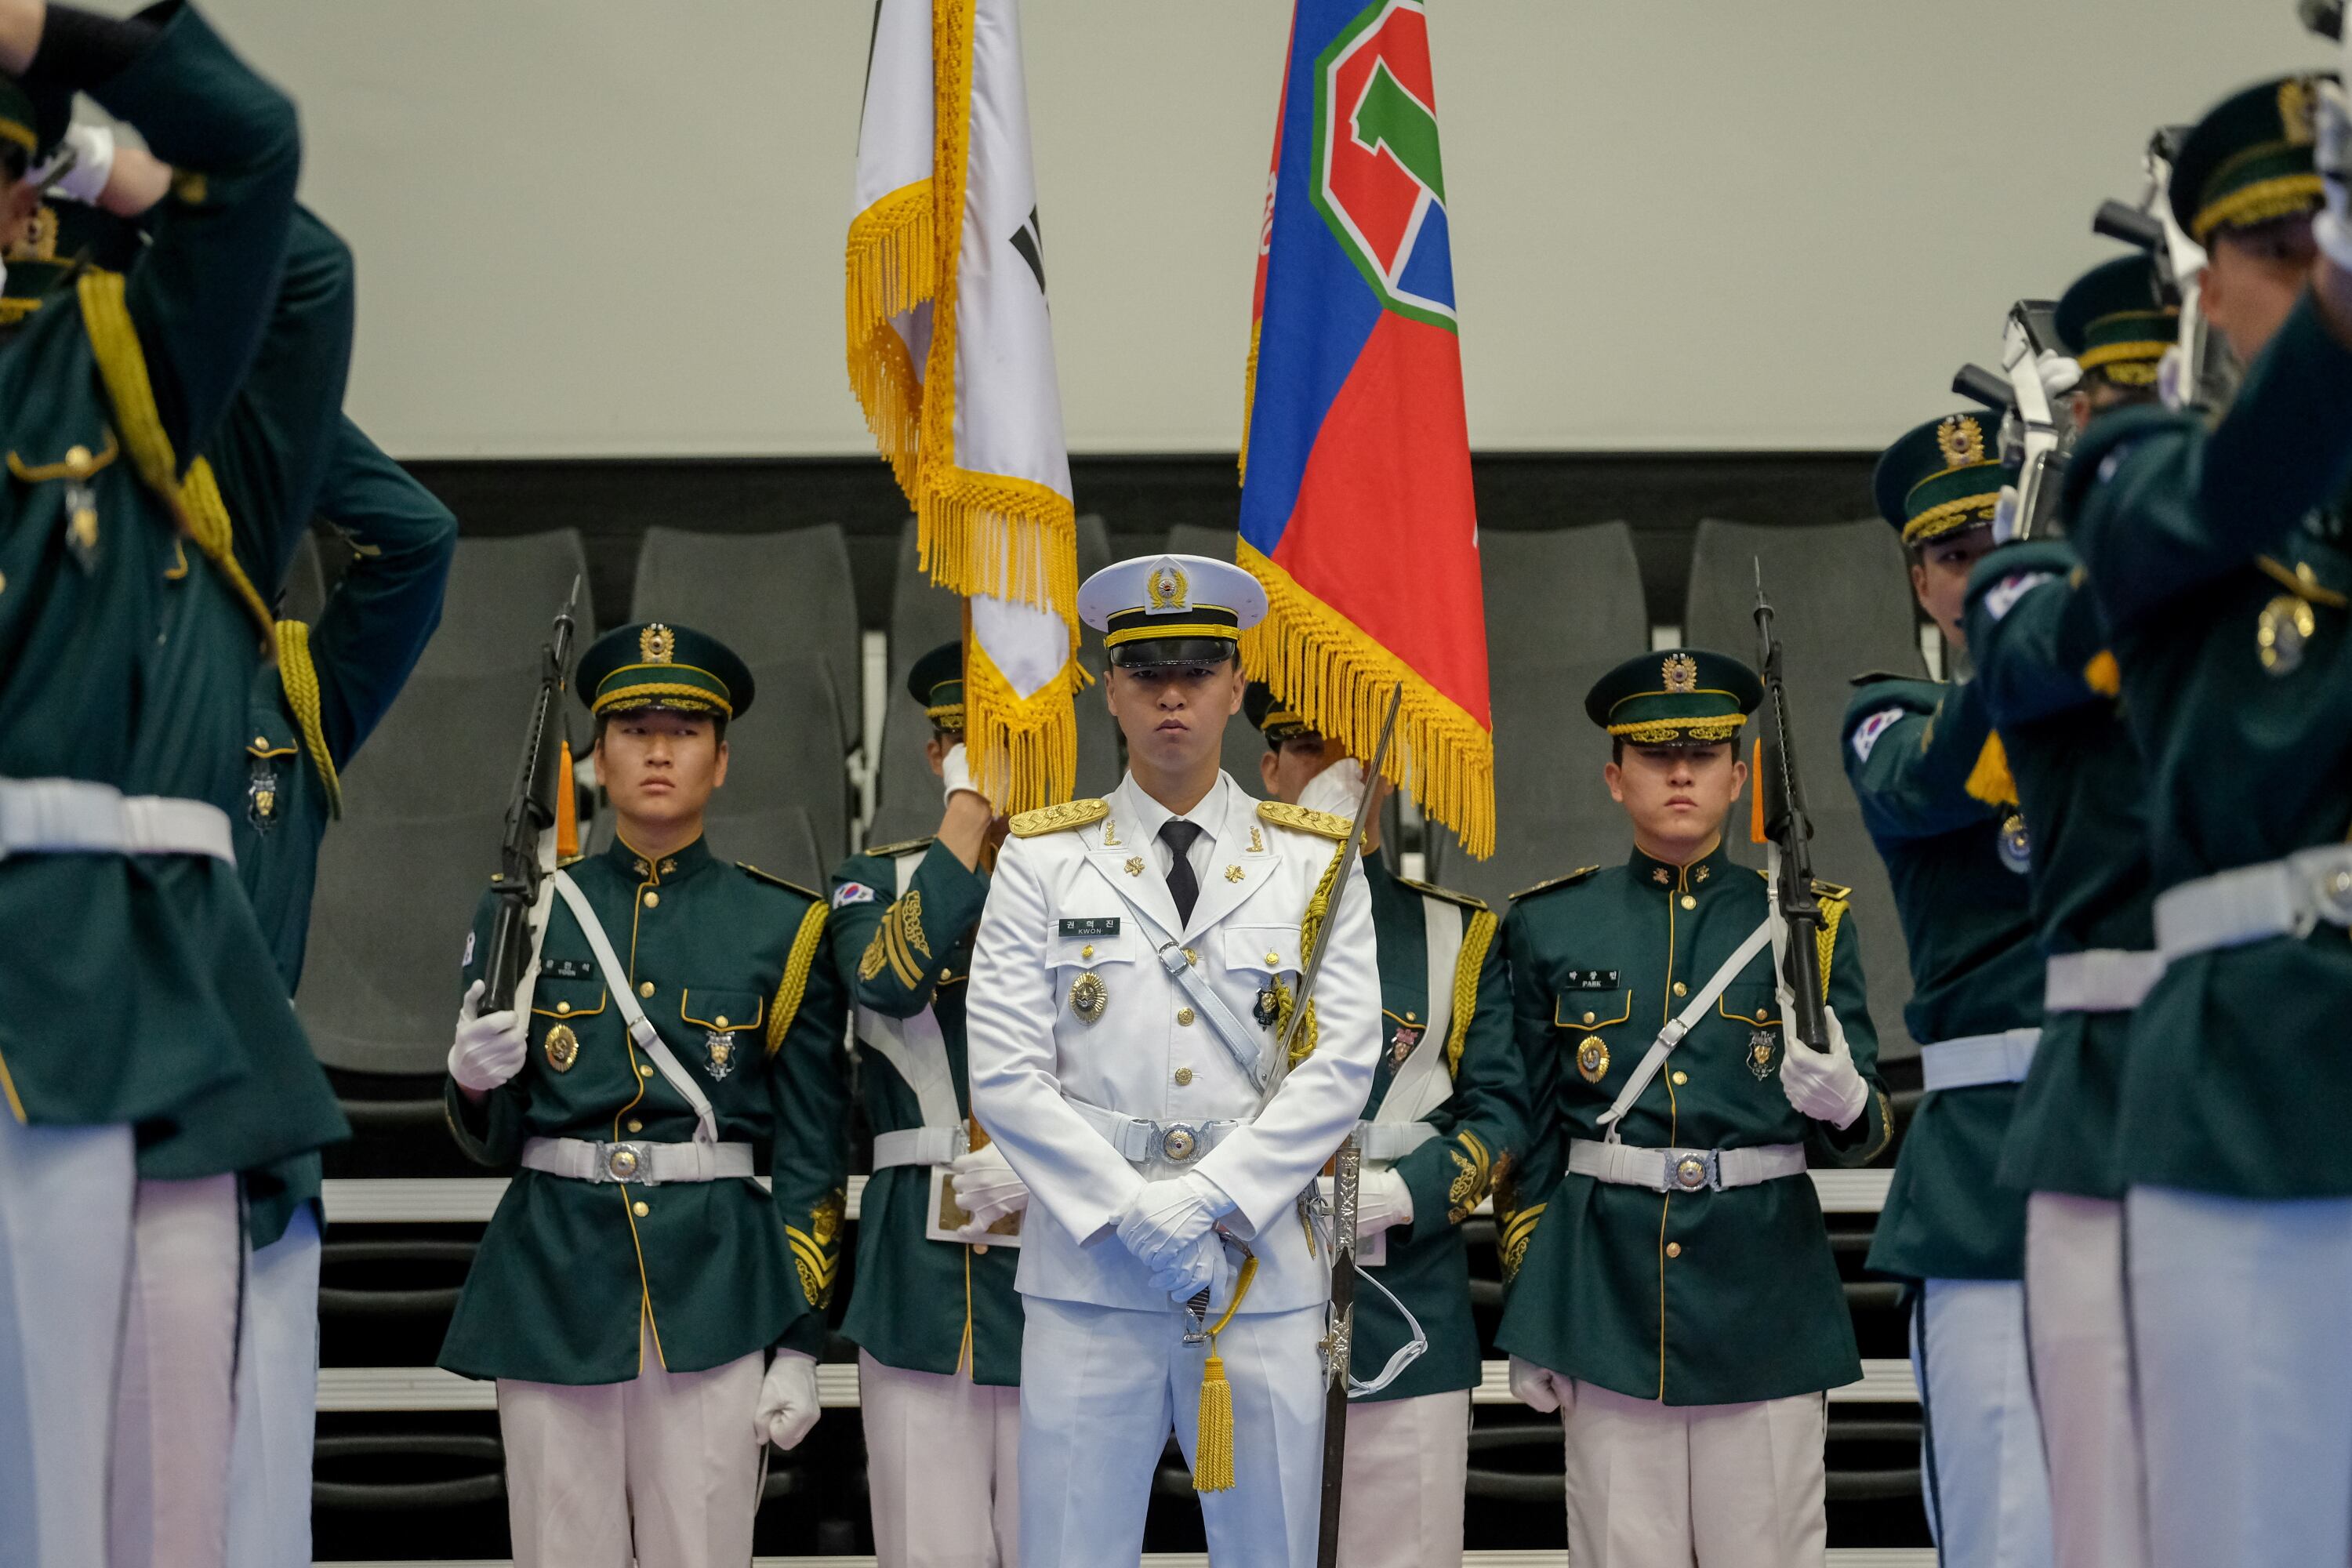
(1100,925)
(568,968)
(1590,980)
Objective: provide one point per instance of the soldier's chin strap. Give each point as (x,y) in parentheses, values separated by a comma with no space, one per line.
(1671,1034)
(641,1028)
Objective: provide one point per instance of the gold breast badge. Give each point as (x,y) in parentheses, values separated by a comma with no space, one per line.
(1759,1054)
(563,1047)
(718,1051)
(1592,1059)
(1089,997)
(2286,624)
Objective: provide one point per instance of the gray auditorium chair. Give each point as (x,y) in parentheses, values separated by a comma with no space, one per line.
(304,592)
(1842,601)
(424,803)
(922,616)
(766,595)
(1562,606)
(781,754)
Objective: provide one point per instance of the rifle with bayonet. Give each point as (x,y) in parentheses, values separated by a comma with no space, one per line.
(1782,822)
(2035,434)
(527,848)
(2207,376)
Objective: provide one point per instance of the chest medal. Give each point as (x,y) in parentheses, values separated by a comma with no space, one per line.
(1759,1054)
(1089,997)
(261,796)
(1592,1059)
(82,520)
(719,1052)
(1268,1008)
(2016,844)
(563,1047)
(1407,1036)
(2286,624)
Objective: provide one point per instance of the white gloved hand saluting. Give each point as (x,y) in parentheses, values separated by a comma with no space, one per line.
(1169,1216)
(1336,789)
(2332,151)
(2060,375)
(955,774)
(489,1050)
(81,165)
(1536,1387)
(788,1405)
(986,1188)
(1382,1199)
(1824,1085)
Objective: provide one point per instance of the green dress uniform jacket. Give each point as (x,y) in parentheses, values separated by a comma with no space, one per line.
(2046,677)
(1481,1128)
(726,962)
(369,638)
(1711,1299)
(133,999)
(920,1304)
(2199,542)
(1958,868)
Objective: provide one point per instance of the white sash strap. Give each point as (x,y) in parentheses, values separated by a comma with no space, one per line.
(1138,1140)
(641,1028)
(1246,1045)
(77,816)
(2252,903)
(1976,1059)
(643,1164)
(919,1146)
(1389,1142)
(1671,1034)
(915,1048)
(1684,1170)
(2102,980)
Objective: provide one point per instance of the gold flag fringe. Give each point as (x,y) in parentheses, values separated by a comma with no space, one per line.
(1249,400)
(1338,679)
(1023,751)
(892,267)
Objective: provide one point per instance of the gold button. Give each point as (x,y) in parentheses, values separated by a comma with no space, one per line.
(77,459)
(1681,989)
(1587,1017)
(645,988)
(1272,958)
(1191,958)
(1681,1079)
(563,1006)
(1674,1248)
(1689,902)
(1183,1076)
(261,739)
(636,1127)
(1410,1015)
(1184,1015)
(640,1209)
(644,1071)
(652,899)
(981,1248)
(720,1022)
(1087,950)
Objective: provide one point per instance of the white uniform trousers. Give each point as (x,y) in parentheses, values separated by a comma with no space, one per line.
(2242,1327)
(2080,1339)
(177,1395)
(65,1252)
(277,1402)
(1100,1388)
(668,1463)
(1987,1486)
(1719,1486)
(1408,1462)
(942,1467)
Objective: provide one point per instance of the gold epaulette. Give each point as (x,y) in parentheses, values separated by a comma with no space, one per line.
(1058,818)
(1303,820)
(1576,876)
(892,851)
(569,860)
(1446,895)
(750,870)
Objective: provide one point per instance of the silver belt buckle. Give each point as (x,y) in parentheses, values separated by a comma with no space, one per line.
(1179,1142)
(1693,1172)
(629,1162)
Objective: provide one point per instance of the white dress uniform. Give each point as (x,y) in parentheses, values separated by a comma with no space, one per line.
(1095,1087)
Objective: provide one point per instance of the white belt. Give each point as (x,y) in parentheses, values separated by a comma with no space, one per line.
(1684,1170)
(1974,1060)
(640,1163)
(1136,1139)
(2104,980)
(1392,1140)
(919,1146)
(77,816)
(2279,898)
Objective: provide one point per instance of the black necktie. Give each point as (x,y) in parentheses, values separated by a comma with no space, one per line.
(1177,835)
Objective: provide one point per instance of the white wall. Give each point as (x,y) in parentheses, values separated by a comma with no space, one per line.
(613,226)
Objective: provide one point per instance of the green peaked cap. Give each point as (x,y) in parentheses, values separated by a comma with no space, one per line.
(2249,160)
(659,664)
(1274,719)
(2113,320)
(1676,697)
(1942,477)
(937,682)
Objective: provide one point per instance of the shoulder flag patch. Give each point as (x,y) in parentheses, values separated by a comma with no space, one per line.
(1866,733)
(850,893)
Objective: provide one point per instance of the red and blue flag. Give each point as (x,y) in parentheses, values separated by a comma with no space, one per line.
(1357,512)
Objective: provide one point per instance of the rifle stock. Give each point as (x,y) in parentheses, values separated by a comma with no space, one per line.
(527,847)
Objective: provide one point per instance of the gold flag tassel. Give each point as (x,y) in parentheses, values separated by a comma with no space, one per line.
(567,805)
(1024,751)
(1212,1446)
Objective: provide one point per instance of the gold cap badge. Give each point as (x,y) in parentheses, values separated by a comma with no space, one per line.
(1961,440)
(656,644)
(1166,586)
(1680,672)
(2299,109)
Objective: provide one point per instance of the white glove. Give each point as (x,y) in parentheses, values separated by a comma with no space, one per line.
(2060,375)
(1536,1387)
(788,1405)
(2333,153)
(986,1188)
(1203,1265)
(2004,515)
(1824,1085)
(85,156)
(1166,1217)
(488,1050)
(1381,1200)
(1336,789)
(955,774)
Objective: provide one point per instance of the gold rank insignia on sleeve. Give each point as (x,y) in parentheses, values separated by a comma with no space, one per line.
(1058,818)
(1298,818)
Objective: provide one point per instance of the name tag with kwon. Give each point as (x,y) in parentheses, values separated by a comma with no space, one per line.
(1098,925)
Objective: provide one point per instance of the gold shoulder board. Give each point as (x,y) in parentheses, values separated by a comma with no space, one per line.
(892,851)
(770,877)
(1831,891)
(1574,876)
(1303,820)
(1445,895)
(1058,818)
(568,861)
